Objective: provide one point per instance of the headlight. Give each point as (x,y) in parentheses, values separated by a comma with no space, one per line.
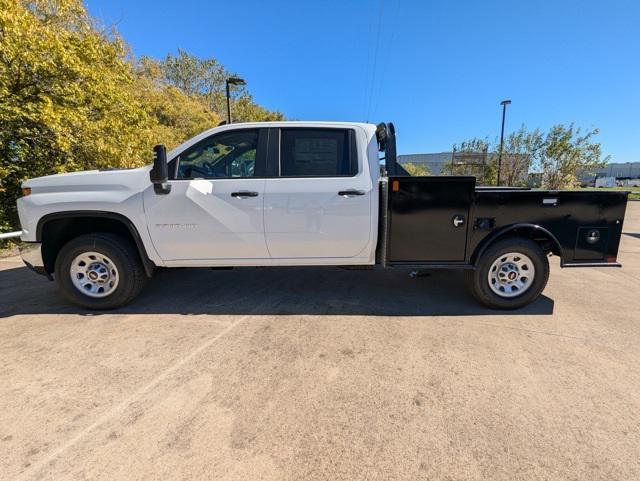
(26,191)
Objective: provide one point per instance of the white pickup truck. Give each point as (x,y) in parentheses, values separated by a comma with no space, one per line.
(303,194)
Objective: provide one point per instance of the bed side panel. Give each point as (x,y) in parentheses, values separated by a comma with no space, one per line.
(587,224)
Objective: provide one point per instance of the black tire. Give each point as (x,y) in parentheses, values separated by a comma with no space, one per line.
(131,275)
(478,280)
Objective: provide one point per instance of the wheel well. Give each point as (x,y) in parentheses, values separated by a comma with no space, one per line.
(56,232)
(544,239)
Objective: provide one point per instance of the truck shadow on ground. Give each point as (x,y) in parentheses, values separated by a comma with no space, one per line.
(264,291)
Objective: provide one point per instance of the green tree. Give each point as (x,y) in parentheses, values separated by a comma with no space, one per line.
(176,116)
(73,98)
(416,170)
(194,76)
(205,78)
(521,148)
(66,97)
(565,152)
(470,157)
(474,144)
(560,155)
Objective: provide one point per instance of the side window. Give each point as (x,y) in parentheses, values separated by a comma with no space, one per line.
(228,154)
(317,153)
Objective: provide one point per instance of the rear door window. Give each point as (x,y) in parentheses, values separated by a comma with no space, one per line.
(314,152)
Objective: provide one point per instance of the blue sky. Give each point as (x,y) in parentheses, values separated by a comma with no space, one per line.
(438,70)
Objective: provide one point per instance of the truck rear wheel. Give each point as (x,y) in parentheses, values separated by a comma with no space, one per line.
(99,271)
(510,274)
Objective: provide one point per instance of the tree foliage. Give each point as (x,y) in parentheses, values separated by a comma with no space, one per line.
(565,152)
(474,144)
(66,101)
(205,79)
(560,155)
(176,115)
(520,150)
(416,170)
(471,157)
(73,98)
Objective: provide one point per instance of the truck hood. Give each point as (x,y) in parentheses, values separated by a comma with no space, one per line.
(91,180)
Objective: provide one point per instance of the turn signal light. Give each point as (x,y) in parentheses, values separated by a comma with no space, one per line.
(26,191)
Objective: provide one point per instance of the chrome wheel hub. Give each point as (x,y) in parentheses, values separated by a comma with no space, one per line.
(511,274)
(94,274)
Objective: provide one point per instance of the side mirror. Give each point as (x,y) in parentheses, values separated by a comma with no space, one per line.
(159,174)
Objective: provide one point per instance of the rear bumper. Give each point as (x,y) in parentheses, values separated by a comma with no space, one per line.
(31,253)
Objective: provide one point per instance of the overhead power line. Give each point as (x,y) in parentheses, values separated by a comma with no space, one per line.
(375,60)
(386,65)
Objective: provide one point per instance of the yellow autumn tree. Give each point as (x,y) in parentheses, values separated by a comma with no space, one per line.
(72,97)
(416,170)
(176,116)
(66,96)
(204,79)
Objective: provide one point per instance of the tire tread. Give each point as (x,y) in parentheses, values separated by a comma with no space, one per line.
(476,279)
(122,251)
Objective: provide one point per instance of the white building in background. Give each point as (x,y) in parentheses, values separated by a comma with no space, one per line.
(619,171)
(628,170)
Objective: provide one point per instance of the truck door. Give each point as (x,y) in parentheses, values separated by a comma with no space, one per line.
(429,218)
(318,201)
(215,207)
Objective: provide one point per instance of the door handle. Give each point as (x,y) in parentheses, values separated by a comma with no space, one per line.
(457,220)
(351,192)
(244,193)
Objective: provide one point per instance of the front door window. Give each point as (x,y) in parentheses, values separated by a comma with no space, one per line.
(228,154)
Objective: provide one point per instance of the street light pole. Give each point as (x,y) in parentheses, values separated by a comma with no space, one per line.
(228,103)
(231,81)
(504,104)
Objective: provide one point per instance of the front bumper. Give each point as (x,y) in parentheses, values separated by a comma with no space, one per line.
(31,253)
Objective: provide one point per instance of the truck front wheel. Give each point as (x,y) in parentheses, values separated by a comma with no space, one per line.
(510,274)
(99,271)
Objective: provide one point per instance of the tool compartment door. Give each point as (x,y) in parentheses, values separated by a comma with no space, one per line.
(429,218)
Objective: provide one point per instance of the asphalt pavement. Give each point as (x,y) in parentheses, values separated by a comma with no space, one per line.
(323,374)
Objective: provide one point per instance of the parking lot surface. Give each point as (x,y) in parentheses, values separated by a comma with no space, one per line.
(323,374)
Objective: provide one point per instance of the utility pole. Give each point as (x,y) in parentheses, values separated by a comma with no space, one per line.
(504,104)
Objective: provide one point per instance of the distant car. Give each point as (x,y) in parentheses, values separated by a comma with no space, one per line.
(304,194)
(606,182)
(632,183)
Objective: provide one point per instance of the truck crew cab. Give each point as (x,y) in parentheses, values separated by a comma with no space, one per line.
(304,194)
